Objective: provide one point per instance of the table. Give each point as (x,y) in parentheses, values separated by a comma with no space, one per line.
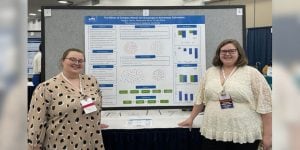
(150,130)
(269,80)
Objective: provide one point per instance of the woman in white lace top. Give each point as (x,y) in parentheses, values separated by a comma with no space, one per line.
(237,100)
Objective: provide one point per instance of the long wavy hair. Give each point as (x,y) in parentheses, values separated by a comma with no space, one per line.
(242,59)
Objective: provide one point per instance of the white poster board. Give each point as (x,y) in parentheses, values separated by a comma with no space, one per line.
(32,48)
(146,60)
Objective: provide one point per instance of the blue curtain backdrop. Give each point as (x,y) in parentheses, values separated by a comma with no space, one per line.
(259,46)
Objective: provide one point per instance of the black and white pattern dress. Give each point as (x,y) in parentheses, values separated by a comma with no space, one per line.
(56,119)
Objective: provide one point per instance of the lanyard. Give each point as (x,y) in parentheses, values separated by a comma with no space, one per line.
(225,79)
(80,87)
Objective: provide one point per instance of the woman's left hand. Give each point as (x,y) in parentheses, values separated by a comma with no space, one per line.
(102,126)
(267,142)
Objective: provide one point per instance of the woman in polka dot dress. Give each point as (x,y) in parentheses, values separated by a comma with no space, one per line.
(65,111)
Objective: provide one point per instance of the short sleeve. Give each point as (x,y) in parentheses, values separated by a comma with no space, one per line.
(200,96)
(261,92)
(95,82)
(96,88)
(37,116)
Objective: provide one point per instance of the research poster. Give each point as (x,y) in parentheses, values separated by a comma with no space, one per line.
(32,48)
(142,61)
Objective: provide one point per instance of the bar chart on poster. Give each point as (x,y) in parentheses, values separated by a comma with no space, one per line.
(146,60)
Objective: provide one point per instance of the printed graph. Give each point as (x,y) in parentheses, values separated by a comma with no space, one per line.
(187,33)
(184,78)
(187,54)
(182,33)
(185,96)
(191,51)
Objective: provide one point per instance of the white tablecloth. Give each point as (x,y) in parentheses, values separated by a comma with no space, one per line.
(143,119)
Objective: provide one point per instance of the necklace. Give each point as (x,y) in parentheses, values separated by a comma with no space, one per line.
(224,76)
(223,73)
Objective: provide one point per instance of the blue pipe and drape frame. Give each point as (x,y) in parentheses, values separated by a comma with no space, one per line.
(259,46)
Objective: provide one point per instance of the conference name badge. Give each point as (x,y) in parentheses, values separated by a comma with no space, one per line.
(88,105)
(225,100)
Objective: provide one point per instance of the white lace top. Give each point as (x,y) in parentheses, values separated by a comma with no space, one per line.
(251,97)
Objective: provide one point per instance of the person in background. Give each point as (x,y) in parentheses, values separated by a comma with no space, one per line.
(237,100)
(36,78)
(65,111)
(267,70)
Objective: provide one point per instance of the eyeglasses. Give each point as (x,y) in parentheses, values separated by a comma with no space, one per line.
(75,60)
(230,51)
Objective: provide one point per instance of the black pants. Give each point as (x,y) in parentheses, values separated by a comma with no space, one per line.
(208,144)
(36,79)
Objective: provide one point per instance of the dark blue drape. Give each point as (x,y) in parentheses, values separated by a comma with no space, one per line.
(259,46)
(152,139)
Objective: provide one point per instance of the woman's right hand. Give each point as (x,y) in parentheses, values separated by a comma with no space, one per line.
(103,126)
(186,123)
(189,121)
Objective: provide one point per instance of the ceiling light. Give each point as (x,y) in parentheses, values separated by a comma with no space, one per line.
(32,14)
(62,2)
(39,10)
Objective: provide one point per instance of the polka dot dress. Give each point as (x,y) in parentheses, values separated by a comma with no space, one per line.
(56,119)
